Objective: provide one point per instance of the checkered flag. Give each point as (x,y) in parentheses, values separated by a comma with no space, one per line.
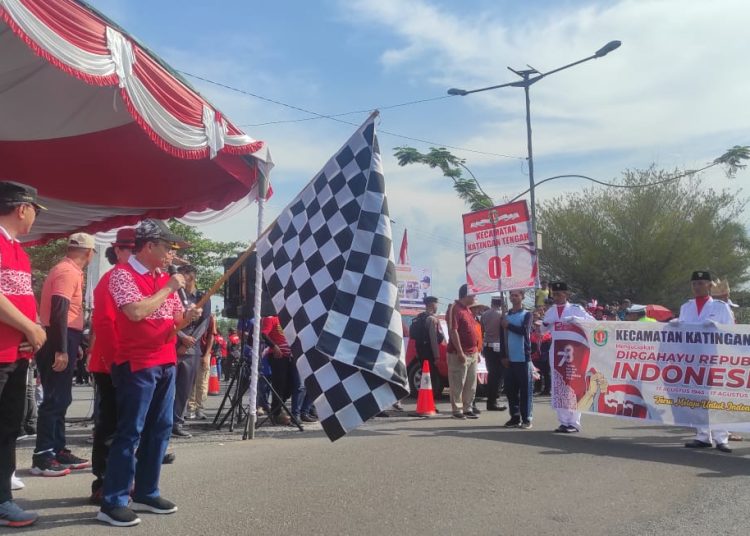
(329,268)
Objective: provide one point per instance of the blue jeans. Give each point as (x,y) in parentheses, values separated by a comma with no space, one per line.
(145,403)
(58,395)
(519,388)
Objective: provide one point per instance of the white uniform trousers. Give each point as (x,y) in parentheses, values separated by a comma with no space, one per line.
(721,437)
(569,417)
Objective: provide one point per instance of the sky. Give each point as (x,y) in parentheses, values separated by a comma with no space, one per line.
(674,94)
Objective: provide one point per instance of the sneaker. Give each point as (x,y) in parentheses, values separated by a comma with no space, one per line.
(12,515)
(16,483)
(526,425)
(514,422)
(190,416)
(47,465)
(475,410)
(71,461)
(155,505)
(496,407)
(459,416)
(200,416)
(118,516)
(168,458)
(470,415)
(308,418)
(179,431)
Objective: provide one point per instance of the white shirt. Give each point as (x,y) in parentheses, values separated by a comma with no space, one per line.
(569,310)
(715,310)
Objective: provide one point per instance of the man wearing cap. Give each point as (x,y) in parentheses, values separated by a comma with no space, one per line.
(562,312)
(20,335)
(101,355)
(463,355)
(61,313)
(704,310)
(637,313)
(149,314)
(429,350)
(189,352)
(493,338)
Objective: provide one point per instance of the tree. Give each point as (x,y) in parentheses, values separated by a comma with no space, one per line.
(643,241)
(452,167)
(43,258)
(205,254)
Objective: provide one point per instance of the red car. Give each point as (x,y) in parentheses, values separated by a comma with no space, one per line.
(414,365)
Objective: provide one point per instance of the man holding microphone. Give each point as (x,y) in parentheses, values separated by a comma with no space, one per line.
(149,314)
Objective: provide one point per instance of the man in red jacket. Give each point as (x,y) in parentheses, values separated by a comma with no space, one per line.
(20,335)
(149,314)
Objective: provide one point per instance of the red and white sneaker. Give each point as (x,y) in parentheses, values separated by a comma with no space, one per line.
(46,465)
(71,461)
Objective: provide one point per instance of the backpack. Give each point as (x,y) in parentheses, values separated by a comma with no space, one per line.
(421,335)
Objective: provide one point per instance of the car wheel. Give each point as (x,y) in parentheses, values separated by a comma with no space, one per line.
(415,380)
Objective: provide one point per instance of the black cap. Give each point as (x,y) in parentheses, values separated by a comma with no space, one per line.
(16,193)
(157,230)
(703,275)
(557,286)
(429,299)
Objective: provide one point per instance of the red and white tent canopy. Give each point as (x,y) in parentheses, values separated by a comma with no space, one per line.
(106,131)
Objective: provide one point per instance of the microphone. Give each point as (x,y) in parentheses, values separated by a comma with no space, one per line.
(172,269)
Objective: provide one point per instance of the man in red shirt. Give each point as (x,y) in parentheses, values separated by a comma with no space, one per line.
(463,355)
(20,335)
(149,313)
(101,356)
(61,313)
(280,359)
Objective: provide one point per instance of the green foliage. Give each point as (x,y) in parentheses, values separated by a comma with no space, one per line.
(452,167)
(733,159)
(43,258)
(643,242)
(205,254)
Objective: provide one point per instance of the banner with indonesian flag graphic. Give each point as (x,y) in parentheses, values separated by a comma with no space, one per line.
(500,254)
(686,375)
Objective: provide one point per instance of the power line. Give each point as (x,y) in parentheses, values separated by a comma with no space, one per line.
(335,117)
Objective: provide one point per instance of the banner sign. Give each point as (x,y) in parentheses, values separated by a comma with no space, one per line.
(499,251)
(686,375)
(414,284)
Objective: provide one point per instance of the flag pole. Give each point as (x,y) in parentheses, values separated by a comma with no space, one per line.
(253,395)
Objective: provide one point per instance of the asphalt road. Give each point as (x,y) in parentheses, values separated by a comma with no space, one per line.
(404,475)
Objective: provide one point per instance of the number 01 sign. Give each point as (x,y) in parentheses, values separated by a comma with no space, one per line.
(499,250)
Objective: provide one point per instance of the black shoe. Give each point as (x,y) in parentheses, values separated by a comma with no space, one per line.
(697,444)
(71,461)
(514,422)
(382,414)
(475,409)
(495,407)
(308,418)
(723,447)
(459,416)
(179,431)
(470,415)
(562,429)
(29,429)
(155,505)
(168,458)
(118,516)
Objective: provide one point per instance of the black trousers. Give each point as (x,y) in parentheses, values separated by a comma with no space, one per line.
(187,368)
(29,407)
(12,395)
(495,375)
(58,394)
(545,378)
(105,425)
(281,380)
(519,388)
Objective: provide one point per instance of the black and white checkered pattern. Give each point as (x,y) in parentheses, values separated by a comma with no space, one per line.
(329,268)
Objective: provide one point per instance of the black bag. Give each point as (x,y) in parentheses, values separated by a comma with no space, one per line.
(421,335)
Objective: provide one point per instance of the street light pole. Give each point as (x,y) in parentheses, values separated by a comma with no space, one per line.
(528,77)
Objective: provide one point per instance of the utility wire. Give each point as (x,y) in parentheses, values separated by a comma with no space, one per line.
(335,117)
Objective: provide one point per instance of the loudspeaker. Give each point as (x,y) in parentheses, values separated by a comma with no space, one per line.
(239,291)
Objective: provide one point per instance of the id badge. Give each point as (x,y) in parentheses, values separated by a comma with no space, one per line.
(496,346)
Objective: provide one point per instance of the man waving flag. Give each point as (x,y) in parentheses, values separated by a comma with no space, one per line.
(329,268)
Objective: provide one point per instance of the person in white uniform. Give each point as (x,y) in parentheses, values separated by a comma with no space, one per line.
(707,312)
(565,312)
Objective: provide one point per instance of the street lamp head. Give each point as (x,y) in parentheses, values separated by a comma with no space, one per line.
(606,49)
(456,91)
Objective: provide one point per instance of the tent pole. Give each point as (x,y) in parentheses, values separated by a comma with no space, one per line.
(253,402)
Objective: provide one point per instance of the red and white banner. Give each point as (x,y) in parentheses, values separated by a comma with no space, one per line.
(500,254)
(691,375)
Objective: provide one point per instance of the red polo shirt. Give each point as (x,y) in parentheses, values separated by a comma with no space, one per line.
(15,284)
(103,325)
(151,341)
(464,322)
(271,327)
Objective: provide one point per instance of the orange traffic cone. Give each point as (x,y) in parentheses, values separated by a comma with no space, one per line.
(425,402)
(213,378)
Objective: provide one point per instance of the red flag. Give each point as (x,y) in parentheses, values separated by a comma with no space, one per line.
(403,256)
